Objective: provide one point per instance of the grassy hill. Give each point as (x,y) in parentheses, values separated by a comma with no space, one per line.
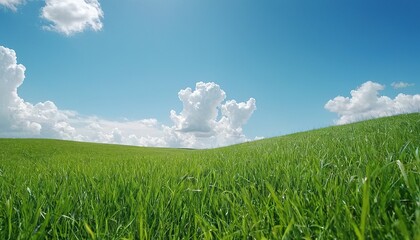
(354,181)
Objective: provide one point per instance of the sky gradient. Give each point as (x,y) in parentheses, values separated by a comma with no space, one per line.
(133,60)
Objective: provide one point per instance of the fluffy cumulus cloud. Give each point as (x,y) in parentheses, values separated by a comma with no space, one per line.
(398,85)
(199,121)
(12,4)
(205,121)
(20,118)
(200,108)
(72,16)
(67,16)
(365,103)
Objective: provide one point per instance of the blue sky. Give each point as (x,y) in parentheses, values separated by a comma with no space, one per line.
(292,57)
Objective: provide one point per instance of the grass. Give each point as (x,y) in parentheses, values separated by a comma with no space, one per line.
(357,181)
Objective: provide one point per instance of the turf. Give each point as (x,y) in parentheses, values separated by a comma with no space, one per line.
(357,181)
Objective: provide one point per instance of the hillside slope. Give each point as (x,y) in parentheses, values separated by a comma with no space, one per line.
(359,180)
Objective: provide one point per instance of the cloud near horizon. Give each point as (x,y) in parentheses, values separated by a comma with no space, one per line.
(205,121)
(366,103)
(199,118)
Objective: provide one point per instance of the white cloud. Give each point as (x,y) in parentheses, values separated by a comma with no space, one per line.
(198,122)
(365,103)
(197,126)
(72,16)
(237,114)
(398,85)
(12,4)
(200,108)
(20,118)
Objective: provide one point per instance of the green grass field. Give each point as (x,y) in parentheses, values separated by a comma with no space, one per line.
(357,181)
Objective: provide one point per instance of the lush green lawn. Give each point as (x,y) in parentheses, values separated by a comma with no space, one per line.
(347,182)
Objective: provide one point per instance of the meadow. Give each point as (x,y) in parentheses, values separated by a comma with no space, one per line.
(356,181)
